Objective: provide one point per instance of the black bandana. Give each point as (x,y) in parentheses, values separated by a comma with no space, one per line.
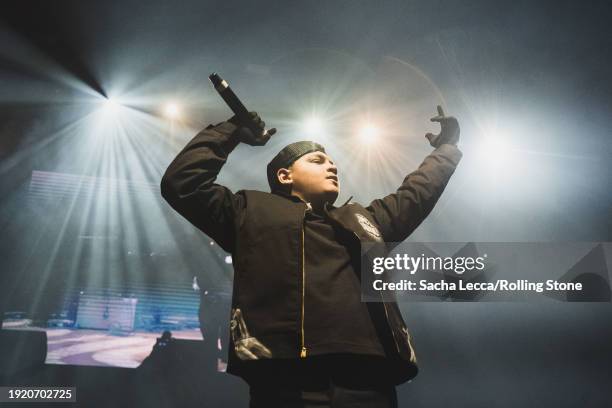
(287,156)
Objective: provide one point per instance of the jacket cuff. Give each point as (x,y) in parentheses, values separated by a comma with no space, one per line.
(225,128)
(450,151)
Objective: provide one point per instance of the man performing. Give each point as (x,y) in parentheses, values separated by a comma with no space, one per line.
(299,333)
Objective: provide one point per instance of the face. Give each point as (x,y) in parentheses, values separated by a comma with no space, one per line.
(313,177)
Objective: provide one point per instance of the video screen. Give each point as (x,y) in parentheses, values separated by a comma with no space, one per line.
(109,293)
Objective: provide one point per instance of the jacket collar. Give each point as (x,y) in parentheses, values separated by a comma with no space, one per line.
(293,198)
(296,199)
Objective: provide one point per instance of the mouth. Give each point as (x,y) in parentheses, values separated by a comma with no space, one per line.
(333,178)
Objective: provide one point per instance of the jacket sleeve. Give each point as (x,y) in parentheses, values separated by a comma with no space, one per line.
(400,213)
(188,185)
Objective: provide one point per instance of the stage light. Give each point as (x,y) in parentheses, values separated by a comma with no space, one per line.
(494,152)
(369,133)
(228,259)
(111,105)
(313,125)
(172,110)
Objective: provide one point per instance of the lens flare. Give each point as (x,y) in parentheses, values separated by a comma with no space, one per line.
(369,133)
(313,125)
(172,111)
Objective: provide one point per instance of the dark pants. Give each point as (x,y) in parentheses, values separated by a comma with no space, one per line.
(334,382)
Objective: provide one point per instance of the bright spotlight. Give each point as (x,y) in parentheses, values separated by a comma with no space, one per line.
(172,110)
(111,105)
(313,125)
(494,152)
(369,133)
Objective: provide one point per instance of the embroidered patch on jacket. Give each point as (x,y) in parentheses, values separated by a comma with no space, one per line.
(369,227)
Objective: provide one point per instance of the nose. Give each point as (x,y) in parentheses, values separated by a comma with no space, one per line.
(333,169)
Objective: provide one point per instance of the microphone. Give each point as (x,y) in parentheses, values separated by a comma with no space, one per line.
(232,100)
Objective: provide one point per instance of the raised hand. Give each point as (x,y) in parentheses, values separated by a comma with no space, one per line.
(449,133)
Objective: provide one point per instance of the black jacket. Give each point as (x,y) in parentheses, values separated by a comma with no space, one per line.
(264,232)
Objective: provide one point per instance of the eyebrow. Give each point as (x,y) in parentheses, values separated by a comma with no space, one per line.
(323,156)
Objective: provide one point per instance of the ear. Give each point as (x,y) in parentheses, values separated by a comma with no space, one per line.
(284,177)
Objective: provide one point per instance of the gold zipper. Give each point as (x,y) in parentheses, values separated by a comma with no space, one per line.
(304,350)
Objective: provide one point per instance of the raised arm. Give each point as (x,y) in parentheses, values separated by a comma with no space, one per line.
(188,184)
(400,213)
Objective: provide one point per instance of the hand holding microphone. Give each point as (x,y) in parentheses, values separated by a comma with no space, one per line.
(251,129)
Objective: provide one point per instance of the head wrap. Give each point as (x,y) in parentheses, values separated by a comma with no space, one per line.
(286,157)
